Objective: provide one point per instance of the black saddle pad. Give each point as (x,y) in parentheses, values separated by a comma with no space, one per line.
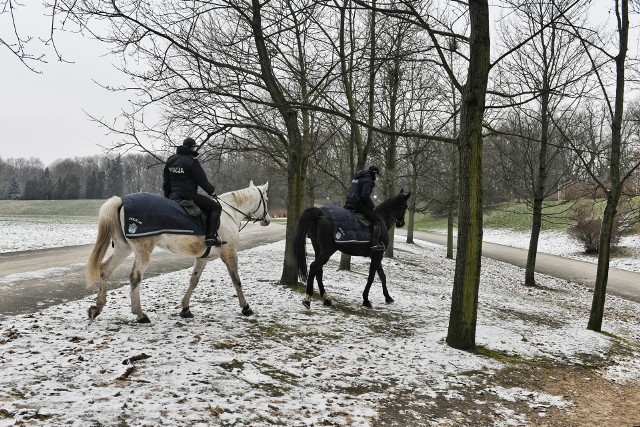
(346,226)
(147,214)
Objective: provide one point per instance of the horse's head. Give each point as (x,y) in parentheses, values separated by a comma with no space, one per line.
(262,209)
(394,209)
(402,208)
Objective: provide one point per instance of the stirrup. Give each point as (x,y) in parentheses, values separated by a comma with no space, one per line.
(378,247)
(214,241)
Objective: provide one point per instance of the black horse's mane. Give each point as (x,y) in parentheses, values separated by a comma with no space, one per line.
(389,204)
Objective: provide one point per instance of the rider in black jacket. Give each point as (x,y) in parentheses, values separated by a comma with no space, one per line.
(359,200)
(183,174)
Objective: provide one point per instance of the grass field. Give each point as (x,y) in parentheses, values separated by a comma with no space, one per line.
(514,216)
(50,207)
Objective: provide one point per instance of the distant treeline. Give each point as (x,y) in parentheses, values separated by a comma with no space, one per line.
(100,177)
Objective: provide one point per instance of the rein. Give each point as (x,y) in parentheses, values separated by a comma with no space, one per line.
(248,217)
(396,220)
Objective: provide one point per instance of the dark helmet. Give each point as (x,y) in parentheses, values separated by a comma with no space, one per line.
(189,142)
(375,169)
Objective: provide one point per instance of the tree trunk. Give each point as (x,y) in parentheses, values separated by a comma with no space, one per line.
(452,201)
(391,151)
(296,183)
(464,302)
(412,205)
(613,195)
(297,158)
(538,194)
(454,175)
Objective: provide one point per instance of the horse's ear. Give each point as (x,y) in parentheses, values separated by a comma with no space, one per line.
(266,186)
(251,184)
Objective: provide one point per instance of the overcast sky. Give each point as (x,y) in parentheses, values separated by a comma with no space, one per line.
(41,115)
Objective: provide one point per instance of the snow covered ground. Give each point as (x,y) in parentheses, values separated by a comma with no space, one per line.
(26,233)
(343,365)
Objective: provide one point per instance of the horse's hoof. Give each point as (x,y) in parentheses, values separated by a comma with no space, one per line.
(327,302)
(186,313)
(307,304)
(247,310)
(367,304)
(93,312)
(144,319)
(389,300)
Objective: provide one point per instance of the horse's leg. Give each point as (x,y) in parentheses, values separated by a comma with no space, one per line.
(383,279)
(230,259)
(143,254)
(315,270)
(318,276)
(312,274)
(325,299)
(120,252)
(198,267)
(376,260)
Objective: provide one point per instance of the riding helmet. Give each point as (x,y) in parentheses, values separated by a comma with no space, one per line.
(189,142)
(375,169)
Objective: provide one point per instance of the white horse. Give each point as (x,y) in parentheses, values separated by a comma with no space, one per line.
(249,204)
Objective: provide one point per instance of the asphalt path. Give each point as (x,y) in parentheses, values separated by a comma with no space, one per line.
(622,283)
(33,280)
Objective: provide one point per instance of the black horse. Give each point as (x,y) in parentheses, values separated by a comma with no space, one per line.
(317,224)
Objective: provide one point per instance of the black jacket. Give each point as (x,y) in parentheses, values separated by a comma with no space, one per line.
(361,188)
(183,174)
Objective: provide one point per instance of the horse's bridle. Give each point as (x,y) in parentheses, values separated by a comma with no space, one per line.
(399,222)
(249,217)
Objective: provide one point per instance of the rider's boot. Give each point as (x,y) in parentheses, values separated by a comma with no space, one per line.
(376,245)
(214,241)
(212,238)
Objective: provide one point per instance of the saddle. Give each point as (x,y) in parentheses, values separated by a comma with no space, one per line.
(349,227)
(147,214)
(189,206)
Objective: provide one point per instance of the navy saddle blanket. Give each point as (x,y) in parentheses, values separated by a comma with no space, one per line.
(147,214)
(347,228)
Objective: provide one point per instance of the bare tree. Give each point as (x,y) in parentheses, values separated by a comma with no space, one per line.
(544,74)
(616,176)
(14,40)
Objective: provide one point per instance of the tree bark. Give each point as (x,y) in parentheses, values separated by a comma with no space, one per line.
(453,197)
(613,195)
(538,194)
(297,160)
(391,157)
(464,302)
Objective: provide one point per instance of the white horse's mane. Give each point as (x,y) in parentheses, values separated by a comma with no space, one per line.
(238,197)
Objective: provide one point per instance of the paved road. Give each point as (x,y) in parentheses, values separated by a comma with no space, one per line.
(621,282)
(33,280)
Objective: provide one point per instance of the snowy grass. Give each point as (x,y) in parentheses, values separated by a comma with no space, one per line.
(22,233)
(344,365)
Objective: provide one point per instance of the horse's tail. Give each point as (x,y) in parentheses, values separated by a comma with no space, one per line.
(108,230)
(307,220)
